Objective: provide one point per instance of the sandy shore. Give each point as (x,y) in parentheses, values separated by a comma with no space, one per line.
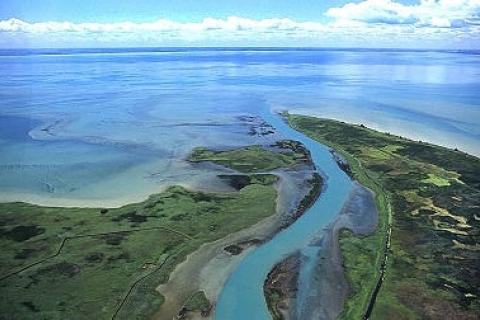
(76,202)
(209,174)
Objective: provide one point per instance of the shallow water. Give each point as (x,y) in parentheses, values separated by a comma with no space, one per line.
(242,296)
(112,126)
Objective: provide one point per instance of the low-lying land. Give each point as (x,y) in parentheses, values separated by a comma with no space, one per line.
(280,287)
(256,158)
(97,263)
(428,197)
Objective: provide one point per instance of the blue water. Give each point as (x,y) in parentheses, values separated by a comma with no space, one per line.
(113,125)
(242,296)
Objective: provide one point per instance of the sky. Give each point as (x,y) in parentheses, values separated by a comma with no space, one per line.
(444,24)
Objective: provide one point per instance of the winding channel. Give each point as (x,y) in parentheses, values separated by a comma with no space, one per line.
(242,296)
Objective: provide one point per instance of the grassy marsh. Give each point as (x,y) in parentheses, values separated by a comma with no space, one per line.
(254,158)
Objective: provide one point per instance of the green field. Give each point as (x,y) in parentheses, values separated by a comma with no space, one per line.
(94,263)
(430,196)
(255,158)
(197,302)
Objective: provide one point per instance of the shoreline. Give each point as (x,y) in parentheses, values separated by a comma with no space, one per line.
(109,203)
(466,148)
(62,202)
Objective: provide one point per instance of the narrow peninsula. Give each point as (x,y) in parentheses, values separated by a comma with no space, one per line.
(422,261)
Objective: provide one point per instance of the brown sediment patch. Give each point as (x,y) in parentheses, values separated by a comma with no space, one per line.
(280,287)
(359,213)
(315,187)
(430,308)
(257,126)
(237,248)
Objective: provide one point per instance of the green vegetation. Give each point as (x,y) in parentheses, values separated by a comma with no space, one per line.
(197,302)
(438,181)
(239,181)
(97,263)
(274,297)
(254,158)
(429,196)
(316,184)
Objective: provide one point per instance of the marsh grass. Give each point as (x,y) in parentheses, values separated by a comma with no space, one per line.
(251,159)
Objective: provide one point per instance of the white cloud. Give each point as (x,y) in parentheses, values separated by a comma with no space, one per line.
(427,13)
(208,24)
(370,23)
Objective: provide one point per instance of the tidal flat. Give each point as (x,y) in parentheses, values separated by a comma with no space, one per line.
(109,128)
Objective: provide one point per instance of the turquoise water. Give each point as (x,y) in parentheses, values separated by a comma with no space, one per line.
(242,296)
(112,126)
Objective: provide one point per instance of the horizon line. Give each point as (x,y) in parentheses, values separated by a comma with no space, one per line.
(240,48)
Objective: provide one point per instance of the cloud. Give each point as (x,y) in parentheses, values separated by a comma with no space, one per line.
(208,24)
(370,23)
(427,13)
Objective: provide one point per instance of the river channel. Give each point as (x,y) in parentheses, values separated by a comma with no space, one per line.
(242,296)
